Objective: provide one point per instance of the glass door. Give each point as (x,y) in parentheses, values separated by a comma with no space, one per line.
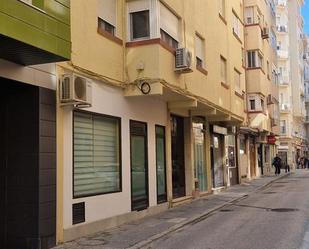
(199,156)
(178,159)
(161,165)
(139,166)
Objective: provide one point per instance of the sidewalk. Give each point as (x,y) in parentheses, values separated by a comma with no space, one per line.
(142,232)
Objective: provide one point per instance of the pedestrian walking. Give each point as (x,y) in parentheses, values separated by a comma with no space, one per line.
(277,164)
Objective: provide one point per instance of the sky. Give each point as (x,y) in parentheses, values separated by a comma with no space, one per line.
(305,11)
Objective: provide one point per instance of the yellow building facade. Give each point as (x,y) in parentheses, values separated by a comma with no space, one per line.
(151,120)
(262,85)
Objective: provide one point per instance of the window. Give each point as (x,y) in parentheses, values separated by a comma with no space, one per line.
(140,25)
(249,15)
(252,104)
(237,81)
(222,8)
(107,16)
(105,26)
(262,105)
(237,26)
(282,126)
(243,57)
(199,51)
(169,26)
(165,37)
(96,147)
(254,59)
(161,165)
(268,69)
(223,70)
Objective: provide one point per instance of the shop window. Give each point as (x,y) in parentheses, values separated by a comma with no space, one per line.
(96,154)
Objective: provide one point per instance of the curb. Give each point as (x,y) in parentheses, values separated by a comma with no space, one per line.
(200,217)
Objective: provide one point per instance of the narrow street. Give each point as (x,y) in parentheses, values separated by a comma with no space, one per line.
(269,212)
(277,217)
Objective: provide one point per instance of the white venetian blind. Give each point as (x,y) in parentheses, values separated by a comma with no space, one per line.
(96,154)
(107,11)
(169,22)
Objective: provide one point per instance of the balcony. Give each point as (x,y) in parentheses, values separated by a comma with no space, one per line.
(283,54)
(35,33)
(285,108)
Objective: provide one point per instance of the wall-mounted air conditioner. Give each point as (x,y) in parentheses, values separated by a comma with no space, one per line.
(75,90)
(183,61)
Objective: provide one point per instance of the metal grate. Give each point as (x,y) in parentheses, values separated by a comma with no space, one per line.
(78,213)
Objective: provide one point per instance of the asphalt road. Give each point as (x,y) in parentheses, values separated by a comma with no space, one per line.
(276,217)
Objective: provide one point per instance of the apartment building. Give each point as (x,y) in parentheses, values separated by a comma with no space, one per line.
(262,127)
(291,71)
(159,92)
(34,36)
(306,86)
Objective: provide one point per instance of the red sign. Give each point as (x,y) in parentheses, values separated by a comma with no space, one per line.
(271,140)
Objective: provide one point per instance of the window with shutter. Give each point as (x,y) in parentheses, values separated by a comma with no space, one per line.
(107,15)
(96,146)
(200,51)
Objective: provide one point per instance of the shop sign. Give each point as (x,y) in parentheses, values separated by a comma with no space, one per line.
(219,130)
(271,140)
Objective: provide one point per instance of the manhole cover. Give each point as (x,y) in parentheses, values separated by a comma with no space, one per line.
(269,193)
(226,210)
(283,210)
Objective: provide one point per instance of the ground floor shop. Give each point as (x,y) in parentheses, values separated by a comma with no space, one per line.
(126,157)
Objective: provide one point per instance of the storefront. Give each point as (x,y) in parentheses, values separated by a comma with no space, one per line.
(217,153)
(231,148)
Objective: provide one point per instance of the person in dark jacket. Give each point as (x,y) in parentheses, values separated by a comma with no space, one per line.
(277,164)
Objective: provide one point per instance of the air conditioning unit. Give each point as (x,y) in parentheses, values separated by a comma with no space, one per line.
(183,61)
(265,33)
(75,90)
